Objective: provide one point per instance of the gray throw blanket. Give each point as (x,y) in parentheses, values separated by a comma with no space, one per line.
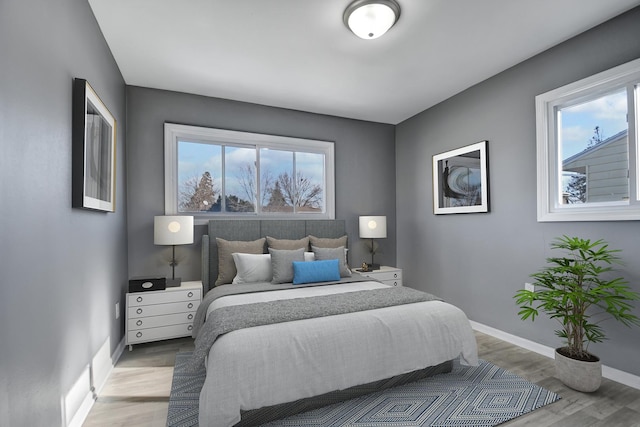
(228,319)
(247,288)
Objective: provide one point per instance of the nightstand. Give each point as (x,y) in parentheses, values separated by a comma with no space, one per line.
(388,275)
(161,315)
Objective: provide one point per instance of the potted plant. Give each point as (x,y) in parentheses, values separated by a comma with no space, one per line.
(577,290)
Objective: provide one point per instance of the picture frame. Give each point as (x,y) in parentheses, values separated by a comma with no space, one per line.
(461,180)
(94,151)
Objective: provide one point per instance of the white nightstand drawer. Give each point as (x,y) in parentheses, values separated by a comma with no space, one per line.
(386,275)
(161,297)
(157,321)
(161,309)
(161,333)
(393,282)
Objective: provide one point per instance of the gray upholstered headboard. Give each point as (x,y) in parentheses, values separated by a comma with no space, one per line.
(242,229)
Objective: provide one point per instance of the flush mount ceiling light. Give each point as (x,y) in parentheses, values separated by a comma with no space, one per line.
(369,19)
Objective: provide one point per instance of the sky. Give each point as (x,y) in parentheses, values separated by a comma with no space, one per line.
(609,112)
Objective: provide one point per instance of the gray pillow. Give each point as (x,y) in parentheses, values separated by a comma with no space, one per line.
(325,242)
(333,253)
(226,266)
(282,264)
(286,244)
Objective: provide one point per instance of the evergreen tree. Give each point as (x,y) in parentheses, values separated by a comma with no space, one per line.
(203,198)
(276,200)
(197,196)
(577,189)
(597,137)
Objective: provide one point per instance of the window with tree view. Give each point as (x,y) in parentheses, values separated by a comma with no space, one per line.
(220,172)
(587,148)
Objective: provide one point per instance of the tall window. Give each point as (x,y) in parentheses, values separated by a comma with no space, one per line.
(214,172)
(588,148)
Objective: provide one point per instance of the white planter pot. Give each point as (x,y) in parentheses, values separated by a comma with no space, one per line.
(579,375)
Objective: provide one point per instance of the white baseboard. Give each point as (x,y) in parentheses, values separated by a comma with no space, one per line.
(99,381)
(101,367)
(79,400)
(616,375)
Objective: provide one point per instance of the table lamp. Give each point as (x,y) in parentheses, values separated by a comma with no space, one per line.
(373,227)
(173,230)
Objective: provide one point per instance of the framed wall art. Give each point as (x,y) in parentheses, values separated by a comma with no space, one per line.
(460,180)
(94,151)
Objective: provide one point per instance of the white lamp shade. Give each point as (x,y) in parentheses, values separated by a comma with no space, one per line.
(369,19)
(173,230)
(373,227)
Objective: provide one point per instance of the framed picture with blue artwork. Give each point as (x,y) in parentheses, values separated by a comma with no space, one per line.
(461,180)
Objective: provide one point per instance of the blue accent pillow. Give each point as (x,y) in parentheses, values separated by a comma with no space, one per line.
(315,271)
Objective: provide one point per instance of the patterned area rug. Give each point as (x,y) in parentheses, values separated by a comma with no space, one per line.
(483,395)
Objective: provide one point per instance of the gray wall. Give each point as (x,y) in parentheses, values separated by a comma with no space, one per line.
(365,168)
(62,269)
(478,261)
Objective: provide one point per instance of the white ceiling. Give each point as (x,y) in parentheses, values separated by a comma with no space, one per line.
(298,54)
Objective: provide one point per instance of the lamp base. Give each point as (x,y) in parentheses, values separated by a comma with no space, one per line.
(173,283)
(370,267)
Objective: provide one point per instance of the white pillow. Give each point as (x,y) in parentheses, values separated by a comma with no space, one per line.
(252,268)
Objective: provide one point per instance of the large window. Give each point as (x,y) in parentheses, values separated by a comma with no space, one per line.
(214,172)
(588,148)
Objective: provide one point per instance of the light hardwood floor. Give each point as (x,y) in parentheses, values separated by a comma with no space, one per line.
(137,392)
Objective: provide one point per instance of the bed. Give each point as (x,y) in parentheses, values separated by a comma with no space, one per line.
(330,340)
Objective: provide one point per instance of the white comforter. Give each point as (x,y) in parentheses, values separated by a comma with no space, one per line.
(272,364)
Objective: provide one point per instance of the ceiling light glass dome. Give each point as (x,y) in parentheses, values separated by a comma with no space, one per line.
(369,19)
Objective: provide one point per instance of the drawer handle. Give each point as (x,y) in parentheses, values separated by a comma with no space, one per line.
(395,283)
(139,335)
(139,299)
(190,327)
(139,311)
(395,275)
(139,322)
(190,316)
(190,305)
(190,294)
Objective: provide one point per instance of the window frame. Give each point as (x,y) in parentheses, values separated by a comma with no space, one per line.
(548,162)
(173,132)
